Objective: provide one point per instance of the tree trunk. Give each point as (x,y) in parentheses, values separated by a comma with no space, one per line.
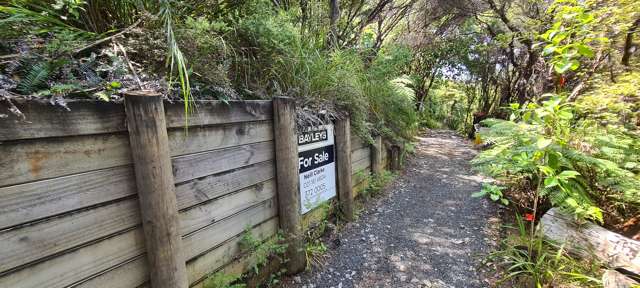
(334,13)
(628,43)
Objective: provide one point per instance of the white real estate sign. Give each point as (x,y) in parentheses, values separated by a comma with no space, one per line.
(316,164)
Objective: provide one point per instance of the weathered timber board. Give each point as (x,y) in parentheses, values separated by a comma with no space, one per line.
(363,164)
(359,177)
(202,241)
(206,163)
(36,200)
(43,120)
(218,112)
(21,246)
(357,143)
(72,267)
(135,273)
(202,215)
(54,157)
(27,161)
(200,267)
(82,264)
(199,139)
(212,186)
(360,154)
(88,117)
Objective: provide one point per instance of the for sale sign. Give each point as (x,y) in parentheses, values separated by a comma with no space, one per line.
(316,164)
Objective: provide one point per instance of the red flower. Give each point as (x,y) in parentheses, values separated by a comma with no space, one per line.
(529,217)
(562,81)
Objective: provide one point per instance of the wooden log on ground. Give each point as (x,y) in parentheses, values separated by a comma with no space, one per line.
(154,178)
(615,279)
(284,126)
(614,250)
(343,168)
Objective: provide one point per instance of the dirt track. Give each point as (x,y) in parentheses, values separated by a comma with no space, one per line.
(425,232)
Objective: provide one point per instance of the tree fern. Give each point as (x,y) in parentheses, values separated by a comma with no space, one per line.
(577,162)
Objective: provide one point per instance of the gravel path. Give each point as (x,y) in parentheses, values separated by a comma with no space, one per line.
(425,232)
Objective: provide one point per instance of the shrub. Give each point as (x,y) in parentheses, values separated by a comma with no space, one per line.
(564,160)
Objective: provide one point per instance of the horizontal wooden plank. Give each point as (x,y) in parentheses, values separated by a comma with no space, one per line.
(358,178)
(359,188)
(44,120)
(21,246)
(203,240)
(36,200)
(218,112)
(89,261)
(361,153)
(77,265)
(212,186)
(199,139)
(206,163)
(33,160)
(135,273)
(203,215)
(199,268)
(132,273)
(54,157)
(96,117)
(357,143)
(362,164)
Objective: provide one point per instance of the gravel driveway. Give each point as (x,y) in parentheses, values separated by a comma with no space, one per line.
(426,231)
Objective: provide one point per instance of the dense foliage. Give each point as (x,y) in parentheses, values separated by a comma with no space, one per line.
(55,50)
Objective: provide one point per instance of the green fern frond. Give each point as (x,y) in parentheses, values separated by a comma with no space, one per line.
(35,78)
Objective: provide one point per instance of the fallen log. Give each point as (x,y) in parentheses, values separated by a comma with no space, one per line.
(588,239)
(615,279)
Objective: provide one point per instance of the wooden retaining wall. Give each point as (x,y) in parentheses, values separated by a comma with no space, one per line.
(69,210)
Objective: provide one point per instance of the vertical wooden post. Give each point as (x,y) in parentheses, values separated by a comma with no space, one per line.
(376,155)
(395,157)
(284,128)
(156,191)
(343,168)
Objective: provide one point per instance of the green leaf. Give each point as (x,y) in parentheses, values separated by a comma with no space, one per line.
(549,49)
(566,115)
(551,182)
(494,197)
(585,50)
(479,194)
(568,174)
(546,170)
(574,64)
(115,85)
(543,143)
(562,66)
(504,201)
